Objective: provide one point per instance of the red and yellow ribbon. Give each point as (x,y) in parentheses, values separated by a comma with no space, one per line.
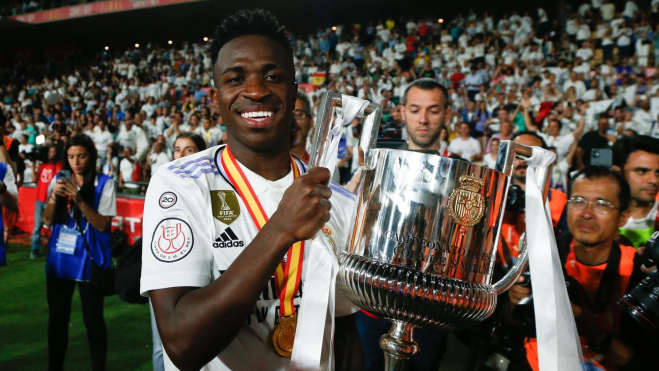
(289,271)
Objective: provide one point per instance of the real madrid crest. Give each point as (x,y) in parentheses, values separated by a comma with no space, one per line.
(328,233)
(466,204)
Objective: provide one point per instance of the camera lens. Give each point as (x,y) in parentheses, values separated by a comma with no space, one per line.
(642,303)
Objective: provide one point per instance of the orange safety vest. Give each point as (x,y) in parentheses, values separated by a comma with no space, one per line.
(514,225)
(589,277)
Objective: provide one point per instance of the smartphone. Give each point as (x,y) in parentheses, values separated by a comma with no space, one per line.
(601,157)
(41,139)
(64,174)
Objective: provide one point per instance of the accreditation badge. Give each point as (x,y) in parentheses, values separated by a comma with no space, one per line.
(225,206)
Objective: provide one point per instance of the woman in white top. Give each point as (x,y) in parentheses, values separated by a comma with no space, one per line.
(490,159)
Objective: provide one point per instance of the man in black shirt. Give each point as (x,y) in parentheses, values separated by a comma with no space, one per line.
(595,139)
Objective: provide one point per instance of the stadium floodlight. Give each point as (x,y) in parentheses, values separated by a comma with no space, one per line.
(334,28)
(137,45)
(107,48)
(441,20)
(205,39)
(170,42)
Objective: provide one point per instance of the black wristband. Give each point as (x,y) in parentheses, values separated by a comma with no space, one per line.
(603,346)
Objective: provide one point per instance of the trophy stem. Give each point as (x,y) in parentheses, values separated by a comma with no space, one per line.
(399,346)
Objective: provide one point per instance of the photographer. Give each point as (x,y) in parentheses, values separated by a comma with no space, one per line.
(598,271)
(81,204)
(42,177)
(513,219)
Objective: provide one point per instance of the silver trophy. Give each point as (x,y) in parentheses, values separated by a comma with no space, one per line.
(423,243)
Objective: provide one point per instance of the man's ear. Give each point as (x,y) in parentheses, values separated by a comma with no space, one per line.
(215,96)
(616,168)
(624,217)
(401,107)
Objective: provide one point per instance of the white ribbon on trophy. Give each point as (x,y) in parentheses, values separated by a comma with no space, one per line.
(321,270)
(559,348)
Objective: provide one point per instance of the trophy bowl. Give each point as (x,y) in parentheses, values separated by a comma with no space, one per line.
(423,242)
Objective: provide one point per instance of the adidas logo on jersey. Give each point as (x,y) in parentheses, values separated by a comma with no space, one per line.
(228,239)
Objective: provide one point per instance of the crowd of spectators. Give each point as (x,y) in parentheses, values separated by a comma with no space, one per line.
(581,81)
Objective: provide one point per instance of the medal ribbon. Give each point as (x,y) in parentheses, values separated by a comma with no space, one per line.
(289,270)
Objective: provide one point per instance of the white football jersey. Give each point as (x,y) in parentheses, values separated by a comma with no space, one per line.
(188,242)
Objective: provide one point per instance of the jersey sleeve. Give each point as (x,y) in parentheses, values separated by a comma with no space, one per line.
(343,205)
(107,206)
(10,181)
(176,249)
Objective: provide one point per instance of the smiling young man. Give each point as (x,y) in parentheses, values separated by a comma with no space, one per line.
(227,229)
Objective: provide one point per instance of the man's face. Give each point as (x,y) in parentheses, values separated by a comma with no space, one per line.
(503,114)
(506,128)
(603,125)
(642,173)
(464,129)
(589,227)
(424,114)
(519,174)
(206,124)
(301,124)
(554,128)
(256,91)
(52,153)
(194,120)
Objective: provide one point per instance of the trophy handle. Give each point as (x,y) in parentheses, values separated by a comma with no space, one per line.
(327,119)
(508,151)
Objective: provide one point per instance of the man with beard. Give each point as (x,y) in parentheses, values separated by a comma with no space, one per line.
(224,255)
(637,158)
(514,223)
(424,110)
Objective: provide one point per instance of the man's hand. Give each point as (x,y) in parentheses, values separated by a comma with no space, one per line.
(305,207)
(518,292)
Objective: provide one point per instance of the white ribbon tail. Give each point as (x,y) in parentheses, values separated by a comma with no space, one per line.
(319,276)
(558,342)
(321,269)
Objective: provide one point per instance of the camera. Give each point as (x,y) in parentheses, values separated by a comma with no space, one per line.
(642,302)
(516,199)
(524,312)
(392,131)
(38,153)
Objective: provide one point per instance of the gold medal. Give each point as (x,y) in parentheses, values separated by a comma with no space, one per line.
(283,336)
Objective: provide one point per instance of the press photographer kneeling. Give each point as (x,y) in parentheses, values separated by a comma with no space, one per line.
(598,272)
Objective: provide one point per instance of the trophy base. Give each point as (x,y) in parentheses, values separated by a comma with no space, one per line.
(415,298)
(398,346)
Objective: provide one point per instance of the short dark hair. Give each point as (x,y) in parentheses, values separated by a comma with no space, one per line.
(249,22)
(627,145)
(560,124)
(531,133)
(426,83)
(591,172)
(194,137)
(305,99)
